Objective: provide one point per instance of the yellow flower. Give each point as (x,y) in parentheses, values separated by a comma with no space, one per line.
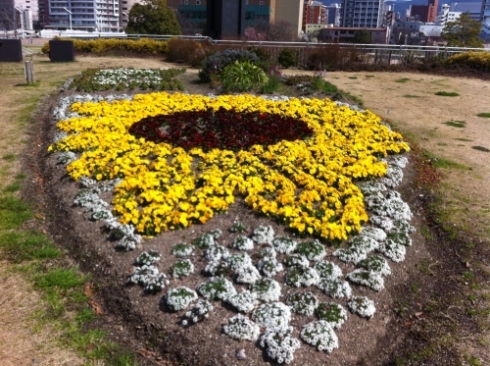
(308,184)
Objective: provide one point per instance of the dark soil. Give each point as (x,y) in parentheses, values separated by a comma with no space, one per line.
(413,312)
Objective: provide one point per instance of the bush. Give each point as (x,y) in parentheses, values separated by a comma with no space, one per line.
(476,60)
(216,64)
(187,51)
(331,57)
(287,58)
(98,46)
(242,76)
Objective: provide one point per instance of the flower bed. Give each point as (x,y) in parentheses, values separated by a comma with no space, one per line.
(323,179)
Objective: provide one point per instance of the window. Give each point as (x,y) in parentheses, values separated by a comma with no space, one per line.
(198,2)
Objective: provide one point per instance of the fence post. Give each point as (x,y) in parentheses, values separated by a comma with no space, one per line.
(29,71)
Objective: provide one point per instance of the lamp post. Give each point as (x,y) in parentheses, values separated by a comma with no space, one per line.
(21,21)
(69,16)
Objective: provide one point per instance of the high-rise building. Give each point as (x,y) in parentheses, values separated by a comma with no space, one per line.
(91,15)
(314,12)
(362,13)
(290,12)
(425,13)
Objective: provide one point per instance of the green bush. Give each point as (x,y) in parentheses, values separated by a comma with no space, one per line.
(272,85)
(287,58)
(475,60)
(143,45)
(216,63)
(242,76)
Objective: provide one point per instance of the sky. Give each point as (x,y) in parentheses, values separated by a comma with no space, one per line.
(402,5)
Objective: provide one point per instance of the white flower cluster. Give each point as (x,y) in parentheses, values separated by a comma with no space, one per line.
(113,77)
(90,200)
(237,227)
(328,270)
(239,260)
(216,252)
(241,242)
(66,157)
(362,306)
(182,268)
(207,239)
(179,298)
(312,250)
(128,239)
(242,328)
(216,288)
(269,266)
(148,276)
(244,301)
(336,288)
(266,289)
(298,276)
(284,244)
(296,260)
(198,312)
(367,278)
(280,344)
(332,313)
(272,315)
(263,234)
(303,303)
(182,250)
(148,258)
(247,274)
(320,334)
(376,264)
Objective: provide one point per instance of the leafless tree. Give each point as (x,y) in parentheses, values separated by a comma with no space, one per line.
(8,16)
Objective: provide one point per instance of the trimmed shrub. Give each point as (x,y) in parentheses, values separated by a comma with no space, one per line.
(287,58)
(215,64)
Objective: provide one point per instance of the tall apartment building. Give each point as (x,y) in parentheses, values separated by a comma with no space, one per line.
(314,12)
(17,14)
(91,15)
(362,13)
(290,11)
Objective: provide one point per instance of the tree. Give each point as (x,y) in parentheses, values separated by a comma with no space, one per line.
(152,17)
(463,32)
(362,36)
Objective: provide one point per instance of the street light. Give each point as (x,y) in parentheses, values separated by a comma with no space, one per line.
(21,21)
(69,16)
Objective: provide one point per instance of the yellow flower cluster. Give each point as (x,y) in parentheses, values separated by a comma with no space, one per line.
(306,183)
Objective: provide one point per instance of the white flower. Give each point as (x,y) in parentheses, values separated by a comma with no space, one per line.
(248,274)
(216,288)
(272,315)
(372,280)
(337,288)
(284,244)
(241,242)
(362,306)
(179,298)
(266,289)
(328,270)
(320,335)
(263,234)
(269,266)
(280,345)
(242,328)
(244,301)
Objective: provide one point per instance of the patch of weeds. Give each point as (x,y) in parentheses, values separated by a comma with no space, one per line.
(483,115)
(480,148)
(474,361)
(438,162)
(458,124)
(357,101)
(425,232)
(9,157)
(411,96)
(13,212)
(60,278)
(461,139)
(89,343)
(369,76)
(447,94)
(402,80)
(13,187)
(353,77)
(85,315)
(21,246)
(400,309)
(272,85)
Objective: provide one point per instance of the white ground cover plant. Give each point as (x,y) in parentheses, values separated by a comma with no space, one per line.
(370,279)
(266,251)
(376,264)
(241,242)
(350,255)
(332,313)
(313,250)
(148,258)
(239,260)
(303,303)
(182,268)
(237,227)
(244,301)
(320,334)
(242,328)
(247,275)
(298,276)
(272,315)
(182,250)
(327,270)
(198,312)
(179,298)
(280,344)
(336,288)
(285,245)
(217,268)
(208,239)
(263,234)
(216,253)
(296,260)
(362,306)
(216,288)
(266,289)
(269,266)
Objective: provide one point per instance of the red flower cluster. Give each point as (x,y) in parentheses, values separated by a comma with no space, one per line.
(222,129)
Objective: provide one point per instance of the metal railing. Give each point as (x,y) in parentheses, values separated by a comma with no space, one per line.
(373,53)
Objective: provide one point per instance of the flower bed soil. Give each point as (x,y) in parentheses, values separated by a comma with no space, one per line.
(144,323)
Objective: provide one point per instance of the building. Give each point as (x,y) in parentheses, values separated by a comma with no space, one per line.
(124,7)
(314,12)
(474,8)
(425,13)
(17,14)
(362,13)
(485,19)
(445,15)
(344,34)
(87,15)
(290,12)
(333,15)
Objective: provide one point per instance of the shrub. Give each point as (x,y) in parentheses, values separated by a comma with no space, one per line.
(287,58)
(215,64)
(242,76)
(476,60)
(143,45)
(186,51)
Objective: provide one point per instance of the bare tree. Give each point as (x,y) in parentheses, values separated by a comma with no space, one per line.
(8,16)
(282,31)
